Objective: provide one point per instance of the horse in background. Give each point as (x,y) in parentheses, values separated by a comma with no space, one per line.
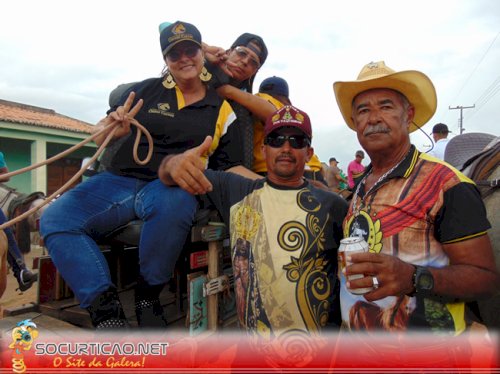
(13,204)
(7,194)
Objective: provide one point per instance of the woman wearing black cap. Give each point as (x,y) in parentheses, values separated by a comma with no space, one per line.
(179,110)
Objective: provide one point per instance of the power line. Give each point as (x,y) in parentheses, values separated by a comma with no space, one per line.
(487,95)
(474,70)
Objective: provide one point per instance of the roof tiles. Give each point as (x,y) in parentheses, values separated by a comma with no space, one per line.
(36,116)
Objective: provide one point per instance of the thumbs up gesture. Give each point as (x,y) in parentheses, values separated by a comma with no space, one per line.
(186,169)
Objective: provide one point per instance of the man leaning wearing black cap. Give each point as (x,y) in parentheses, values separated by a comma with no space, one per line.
(233,72)
(440,135)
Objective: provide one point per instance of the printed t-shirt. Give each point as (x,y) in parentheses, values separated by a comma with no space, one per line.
(284,245)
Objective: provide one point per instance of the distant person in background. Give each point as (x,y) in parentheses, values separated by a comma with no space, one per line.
(25,278)
(324,169)
(334,177)
(343,184)
(440,135)
(355,169)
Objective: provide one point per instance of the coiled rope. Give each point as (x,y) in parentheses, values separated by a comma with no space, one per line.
(111,128)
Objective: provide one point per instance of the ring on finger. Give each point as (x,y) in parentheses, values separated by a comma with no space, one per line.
(375,282)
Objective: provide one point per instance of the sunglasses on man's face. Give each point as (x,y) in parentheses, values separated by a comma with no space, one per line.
(242,53)
(176,54)
(296,141)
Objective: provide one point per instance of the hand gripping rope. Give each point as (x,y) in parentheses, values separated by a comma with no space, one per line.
(111,129)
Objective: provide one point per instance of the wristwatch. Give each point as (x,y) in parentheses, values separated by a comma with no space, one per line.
(423,281)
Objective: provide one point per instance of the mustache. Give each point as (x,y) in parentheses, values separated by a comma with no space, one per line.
(285,156)
(377,129)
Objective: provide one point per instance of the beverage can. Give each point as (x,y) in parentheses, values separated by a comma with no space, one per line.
(352,245)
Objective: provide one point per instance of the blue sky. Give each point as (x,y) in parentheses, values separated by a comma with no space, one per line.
(68,55)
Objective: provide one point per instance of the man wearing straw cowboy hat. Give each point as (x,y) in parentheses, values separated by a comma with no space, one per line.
(424,222)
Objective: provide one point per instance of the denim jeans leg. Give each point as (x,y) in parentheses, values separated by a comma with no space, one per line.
(72,223)
(168,214)
(14,256)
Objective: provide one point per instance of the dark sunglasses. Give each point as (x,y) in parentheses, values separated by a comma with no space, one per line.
(242,53)
(176,54)
(296,141)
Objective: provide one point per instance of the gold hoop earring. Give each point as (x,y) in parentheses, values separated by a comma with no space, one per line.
(169,81)
(205,75)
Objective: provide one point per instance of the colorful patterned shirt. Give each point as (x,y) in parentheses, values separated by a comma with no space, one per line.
(423,204)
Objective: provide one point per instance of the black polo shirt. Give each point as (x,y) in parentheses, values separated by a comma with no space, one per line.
(175,128)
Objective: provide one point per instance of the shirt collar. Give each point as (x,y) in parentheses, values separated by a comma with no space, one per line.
(406,167)
(282,187)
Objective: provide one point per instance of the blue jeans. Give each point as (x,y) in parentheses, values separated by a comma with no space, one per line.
(14,256)
(71,225)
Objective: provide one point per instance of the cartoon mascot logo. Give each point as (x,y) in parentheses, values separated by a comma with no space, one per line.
(22,339)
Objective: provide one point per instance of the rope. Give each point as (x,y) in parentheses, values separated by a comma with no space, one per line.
(112,129)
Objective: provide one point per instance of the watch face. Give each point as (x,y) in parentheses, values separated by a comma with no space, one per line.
(425,280)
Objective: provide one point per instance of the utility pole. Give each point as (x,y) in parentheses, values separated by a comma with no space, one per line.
(461,115)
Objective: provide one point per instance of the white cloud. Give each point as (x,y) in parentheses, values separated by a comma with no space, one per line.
(67,56)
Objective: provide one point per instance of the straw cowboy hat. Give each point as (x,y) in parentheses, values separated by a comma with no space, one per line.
(416,86)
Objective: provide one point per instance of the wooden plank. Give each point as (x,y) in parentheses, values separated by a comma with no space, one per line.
(214,255)
(228,298)
(47,280)
(43,322)
(198,320)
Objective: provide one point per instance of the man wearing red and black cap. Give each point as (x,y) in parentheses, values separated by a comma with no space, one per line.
(275,91)
(282,221)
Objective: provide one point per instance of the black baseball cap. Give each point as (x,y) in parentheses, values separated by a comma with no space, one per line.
(246,39)
(274,86)
(440,128)
(177,32)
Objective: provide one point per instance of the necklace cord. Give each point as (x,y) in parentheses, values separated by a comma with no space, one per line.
(379,181)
